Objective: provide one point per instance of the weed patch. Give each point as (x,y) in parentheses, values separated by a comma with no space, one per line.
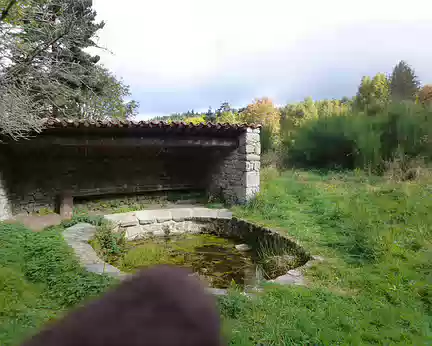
(39,279)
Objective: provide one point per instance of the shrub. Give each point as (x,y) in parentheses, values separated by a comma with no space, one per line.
(110,245)
(359,141)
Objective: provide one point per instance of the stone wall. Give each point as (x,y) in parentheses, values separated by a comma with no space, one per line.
(5,206)
(164,222)
(236,177)
(39,177)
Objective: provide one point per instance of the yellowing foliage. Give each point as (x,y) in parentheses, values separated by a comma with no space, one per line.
(262,111)
(195,120)
(425,94)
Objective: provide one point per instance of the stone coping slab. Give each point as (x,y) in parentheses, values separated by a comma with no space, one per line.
(150,216)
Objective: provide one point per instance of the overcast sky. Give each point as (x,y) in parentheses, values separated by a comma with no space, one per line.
(191,54)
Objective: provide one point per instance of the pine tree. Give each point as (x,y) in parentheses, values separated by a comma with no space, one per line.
(404,83)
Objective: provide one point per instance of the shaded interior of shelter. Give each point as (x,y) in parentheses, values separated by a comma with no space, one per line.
(104,162)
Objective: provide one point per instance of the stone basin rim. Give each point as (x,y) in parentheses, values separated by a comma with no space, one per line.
(78,236)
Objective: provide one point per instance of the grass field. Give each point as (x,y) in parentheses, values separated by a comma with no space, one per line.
(374,287)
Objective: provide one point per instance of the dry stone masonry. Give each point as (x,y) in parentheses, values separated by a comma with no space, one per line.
(5,208)
(237,176)
(164,222)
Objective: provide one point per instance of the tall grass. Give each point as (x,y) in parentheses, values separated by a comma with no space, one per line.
(359,141)
(374,286)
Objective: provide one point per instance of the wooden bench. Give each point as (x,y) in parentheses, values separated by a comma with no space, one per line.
(65,204)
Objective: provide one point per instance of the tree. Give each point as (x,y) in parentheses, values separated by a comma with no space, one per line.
(226,114)
(381,89)
(44,69)
(262,111)
(108,102)
(425,94)
(210,115)
(404,83)
(373,94)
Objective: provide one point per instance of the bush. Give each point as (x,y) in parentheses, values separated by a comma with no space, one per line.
(108,244)
(359,141)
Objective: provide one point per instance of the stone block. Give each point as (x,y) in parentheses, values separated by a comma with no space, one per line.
(249,166)
(224,214)
(79,233)
(145,217)
(194,227)
(250,149)
(160,233)
(103,268)
(179,228)
(204,213)
(134,232)
(123,219)
(252,179)
(253,138)
(253,157)
(289,279)
(243,247)
(162,215)
(257,148)
(181,214)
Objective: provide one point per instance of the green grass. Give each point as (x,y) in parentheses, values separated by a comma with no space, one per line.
(375,286)
(39,280)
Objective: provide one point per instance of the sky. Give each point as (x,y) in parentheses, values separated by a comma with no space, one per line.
(179,55)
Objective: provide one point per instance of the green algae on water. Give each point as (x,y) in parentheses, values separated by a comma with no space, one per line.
(213,258)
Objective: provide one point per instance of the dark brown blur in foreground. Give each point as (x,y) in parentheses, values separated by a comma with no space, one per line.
(159,306)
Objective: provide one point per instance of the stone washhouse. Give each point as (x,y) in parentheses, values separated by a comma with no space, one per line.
(86,159)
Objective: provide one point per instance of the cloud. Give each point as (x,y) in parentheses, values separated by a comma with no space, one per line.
(189,54)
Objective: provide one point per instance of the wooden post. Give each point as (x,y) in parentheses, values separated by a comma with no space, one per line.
(66,205)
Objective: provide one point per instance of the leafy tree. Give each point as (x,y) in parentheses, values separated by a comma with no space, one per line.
(425,94)
(195,119)
(44,69)
(226,114)
(373,94)
(262,111)
(404,83)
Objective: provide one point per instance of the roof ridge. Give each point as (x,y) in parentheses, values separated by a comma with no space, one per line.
(74,122)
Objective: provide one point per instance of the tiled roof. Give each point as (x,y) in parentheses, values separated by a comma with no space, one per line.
(53,123)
